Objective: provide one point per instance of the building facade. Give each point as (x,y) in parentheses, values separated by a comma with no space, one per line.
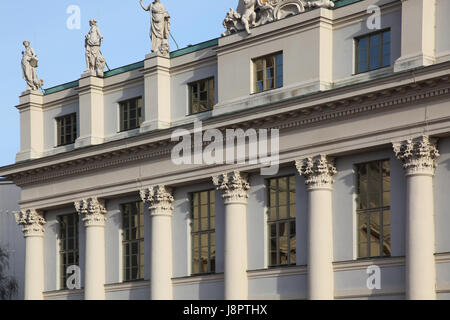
(359,94)
(11,237)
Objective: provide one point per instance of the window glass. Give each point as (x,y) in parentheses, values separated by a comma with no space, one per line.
(373,51)
(268,72)
(68,245)
(133,241)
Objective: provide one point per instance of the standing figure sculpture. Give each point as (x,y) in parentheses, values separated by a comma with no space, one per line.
(29,65)
(94,59)
(160,27)
(249,17)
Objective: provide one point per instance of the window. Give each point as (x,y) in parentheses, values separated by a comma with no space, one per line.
(201,96)
(373,209)
(268,72)
(281,221)
(373,51)
(133,241)
(68,245)
(130,114)
(66,129)
(203,232)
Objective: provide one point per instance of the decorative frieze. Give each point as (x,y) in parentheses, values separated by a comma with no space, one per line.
(31,221)
(234,186)
(318,172)
(93,211)
(159,198)
(418,155)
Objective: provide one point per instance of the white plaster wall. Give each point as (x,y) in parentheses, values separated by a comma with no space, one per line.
(442,27)
(11,236)
(50,133)
(111,102)
(344,45)
(180,89)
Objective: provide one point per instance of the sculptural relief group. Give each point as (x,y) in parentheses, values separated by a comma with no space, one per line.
(249,14)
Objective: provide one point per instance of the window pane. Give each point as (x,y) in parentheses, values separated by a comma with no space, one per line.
(374,185)
(375,51)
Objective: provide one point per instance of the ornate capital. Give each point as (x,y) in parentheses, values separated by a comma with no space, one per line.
(234,186)
(159,199)
(93,211)
(31,221)
(418,155)
(318,172)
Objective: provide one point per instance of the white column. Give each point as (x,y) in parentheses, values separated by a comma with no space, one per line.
(318,173)
(419,160)
(160,201)
(33,230)
(93,212)
(235,186)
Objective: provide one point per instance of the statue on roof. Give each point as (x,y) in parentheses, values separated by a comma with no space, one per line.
(95,61)
(160,27)
(29,65)
(253,13)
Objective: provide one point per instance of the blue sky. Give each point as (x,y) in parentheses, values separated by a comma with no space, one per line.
(125,27)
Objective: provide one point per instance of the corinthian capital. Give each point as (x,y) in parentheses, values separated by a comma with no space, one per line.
(318,172)
(418,155)
(31,221)
(159,199)
(234,186)
(93,211)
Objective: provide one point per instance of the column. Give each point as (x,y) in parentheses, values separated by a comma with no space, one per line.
(159,200)
(157,106)
(235,186)
(93,212)
(418,34)
(318,173)
(31,125)
(92,111)
(419,160)
(33,230)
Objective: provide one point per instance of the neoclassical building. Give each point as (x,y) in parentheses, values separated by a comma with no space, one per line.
(359,93)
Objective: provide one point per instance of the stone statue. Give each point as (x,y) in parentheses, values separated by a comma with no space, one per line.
(29,65)
(253,13)
(94,59)
(160,27)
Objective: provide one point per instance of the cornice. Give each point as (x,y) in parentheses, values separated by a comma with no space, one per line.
(313,109)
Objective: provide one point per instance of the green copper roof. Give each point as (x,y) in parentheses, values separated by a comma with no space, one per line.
(137,65)
(341,3)
(196,47)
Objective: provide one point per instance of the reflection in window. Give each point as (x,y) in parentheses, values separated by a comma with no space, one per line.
(268,72)
(203,232)
(130,114)
(68,245)
(373,51)
(66,128)
(201,95)
(133,241)
(373,209)
(281,221)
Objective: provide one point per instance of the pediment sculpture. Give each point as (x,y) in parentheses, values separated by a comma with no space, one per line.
(253,13)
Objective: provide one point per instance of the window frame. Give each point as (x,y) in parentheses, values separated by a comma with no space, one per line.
(196,83)
(127,273)
(370,211)
(368,36)
(278,221)
(210,231)
(125,125)
(276,55)
(61,125)
(63,254)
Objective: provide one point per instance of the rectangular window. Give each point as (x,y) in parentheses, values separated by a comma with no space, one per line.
(133,241)
(373,51)
(201,96)
(373,209)
(66,129)
(68,245)
(268,72)
(130,114)
(281,221)
(203,232)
